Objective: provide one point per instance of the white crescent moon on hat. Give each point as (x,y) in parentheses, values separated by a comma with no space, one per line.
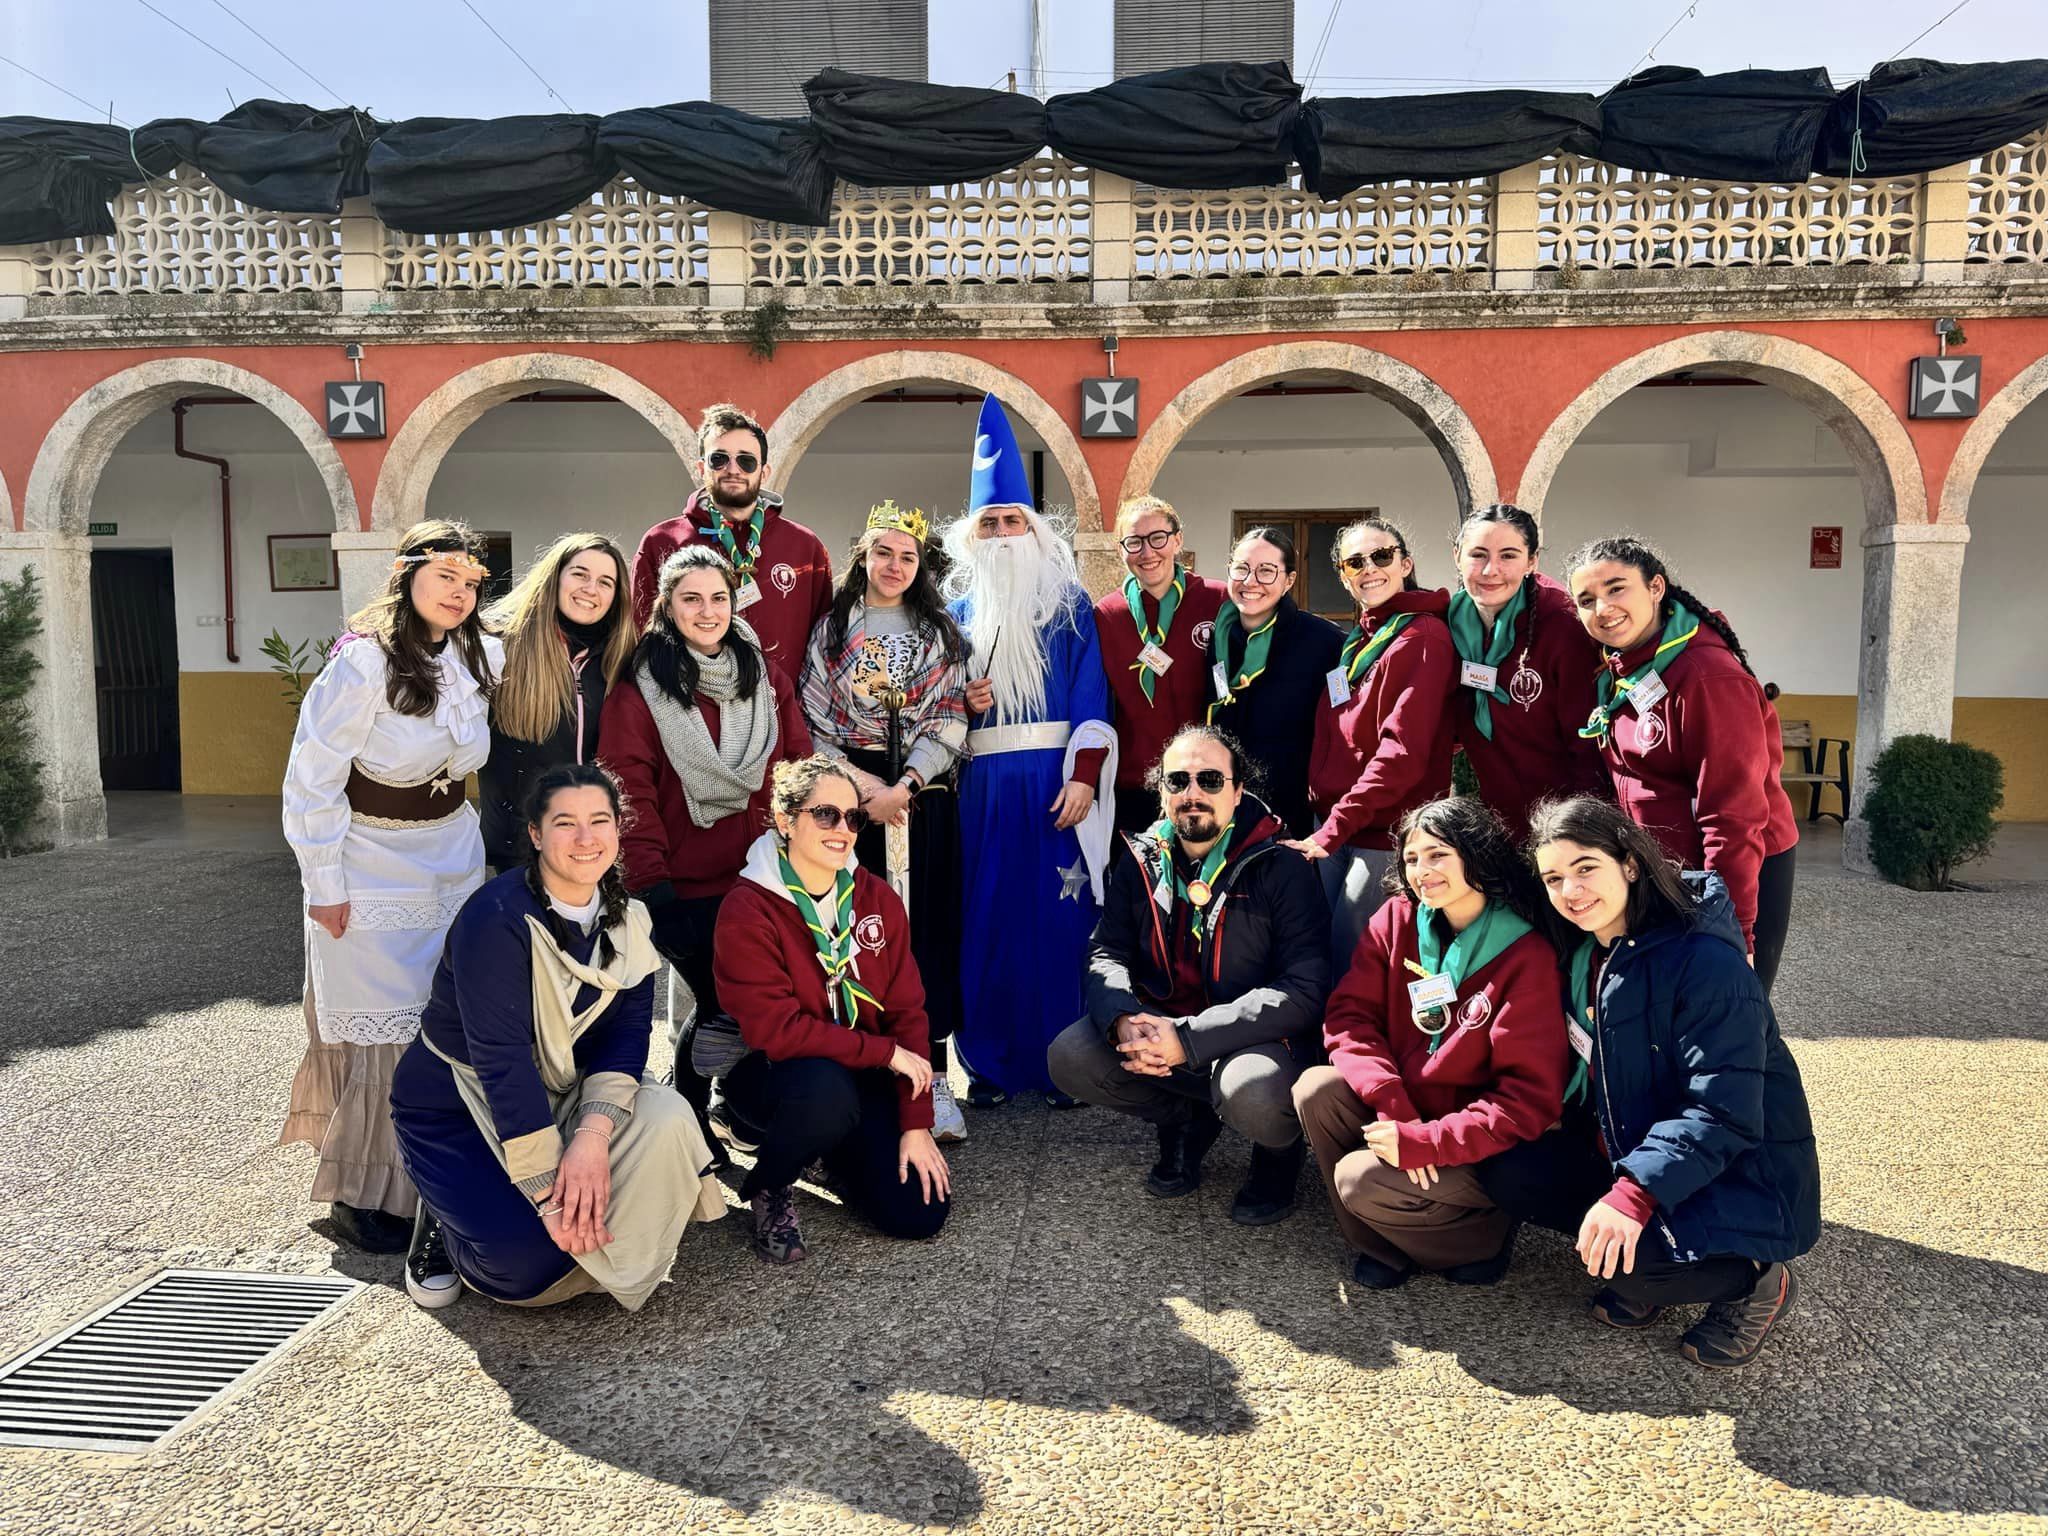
(981,442)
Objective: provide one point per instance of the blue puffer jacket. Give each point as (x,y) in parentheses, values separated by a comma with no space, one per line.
(1698,1097)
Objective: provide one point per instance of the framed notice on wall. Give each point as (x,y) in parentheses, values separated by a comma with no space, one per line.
(1824,550)
(303,562)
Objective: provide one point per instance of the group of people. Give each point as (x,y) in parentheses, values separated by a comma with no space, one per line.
(1189,852)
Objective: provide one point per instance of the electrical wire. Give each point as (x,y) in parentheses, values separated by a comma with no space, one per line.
(1329,25)
(295,64)
(1951,11)
(1650,53)
(61,91)
(479,15)
(202,42)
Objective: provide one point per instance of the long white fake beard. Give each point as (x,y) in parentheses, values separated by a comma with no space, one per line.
(1014,588)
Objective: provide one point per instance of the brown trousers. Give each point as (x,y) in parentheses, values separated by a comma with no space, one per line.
(1380,1210)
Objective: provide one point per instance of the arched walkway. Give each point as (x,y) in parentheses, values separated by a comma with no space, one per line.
(6,508)
(1998,413)
(1870,430)
(433,425)
(1411,392)
(75,452)
(811,412)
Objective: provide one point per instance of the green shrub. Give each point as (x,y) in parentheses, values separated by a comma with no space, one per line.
(296,665)
(1930,809)
(1463,780)
(21,772)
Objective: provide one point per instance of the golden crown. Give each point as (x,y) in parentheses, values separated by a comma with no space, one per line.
(889,515)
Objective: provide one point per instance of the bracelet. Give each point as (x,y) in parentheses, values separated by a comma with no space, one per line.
(588,1126)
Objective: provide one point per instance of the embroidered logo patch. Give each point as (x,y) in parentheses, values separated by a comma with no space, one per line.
(1204,633)
(868,934)
(1526,686)
(1650,732)
(784,576)
(1476,1010)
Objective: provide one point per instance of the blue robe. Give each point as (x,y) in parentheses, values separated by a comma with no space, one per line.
(1027,903)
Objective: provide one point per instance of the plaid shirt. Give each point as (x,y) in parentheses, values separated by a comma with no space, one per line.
(845,717)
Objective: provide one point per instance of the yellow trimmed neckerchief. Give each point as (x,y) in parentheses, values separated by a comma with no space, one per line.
(1148,635)
(836,951)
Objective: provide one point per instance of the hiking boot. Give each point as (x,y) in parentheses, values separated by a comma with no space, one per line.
(1733,1331)
(430,1277)
(371,1231)
(1181,1150)
(983,1094)
(948,1124)
(1617,1311)
(1267,1194)
(777,1238)
(1486,1271)
(1374,1275)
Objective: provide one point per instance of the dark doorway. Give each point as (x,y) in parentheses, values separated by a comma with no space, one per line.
(135,668)
(1316,584)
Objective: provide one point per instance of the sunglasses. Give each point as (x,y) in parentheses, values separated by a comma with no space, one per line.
(829,817)
(1210,781)
(1382,557)
(1156,539)
(746,461)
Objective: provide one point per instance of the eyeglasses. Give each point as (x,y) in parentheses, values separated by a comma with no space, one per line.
(746,461)
(1210,781)
(1382,557)
(1156,539)
(1259,575)
(829,817)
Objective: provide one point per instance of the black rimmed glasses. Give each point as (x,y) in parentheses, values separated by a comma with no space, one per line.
(829,818)
(1156,539)
(746,461)
(1382,557)
(1258,575)
(1209,780)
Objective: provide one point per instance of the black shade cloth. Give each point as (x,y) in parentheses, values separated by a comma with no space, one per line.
(1208,125)
(1344,142)
(1747,125)
(435,175)
(766,168)
(56,178)
(1917,115)
(881,132)
(282,156)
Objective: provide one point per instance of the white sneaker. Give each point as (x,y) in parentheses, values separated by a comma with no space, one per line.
(948,1124)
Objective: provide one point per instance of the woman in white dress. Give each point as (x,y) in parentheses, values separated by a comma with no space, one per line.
(388,848)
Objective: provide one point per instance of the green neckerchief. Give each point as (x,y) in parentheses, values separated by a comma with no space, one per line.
(1134,594)
(741,555)
(1360,653)
(1258,645)
(1609,689)
(1482,943)
(1579,975)
(835,950)
(1468,635)
(1212,865)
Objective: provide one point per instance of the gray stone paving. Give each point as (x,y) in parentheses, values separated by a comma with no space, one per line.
(1071,1355)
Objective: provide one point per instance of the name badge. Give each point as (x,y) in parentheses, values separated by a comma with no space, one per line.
(1477,674)
(1582,1043)
(1646,693)
(1339,686)
(750,594)
(1221,681)
(1156,659)
(1431,992)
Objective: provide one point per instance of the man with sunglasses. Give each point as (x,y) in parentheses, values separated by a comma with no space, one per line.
(1153,635)
(785,573)
(1206,980)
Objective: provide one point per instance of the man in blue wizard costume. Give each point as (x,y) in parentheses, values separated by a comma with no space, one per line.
(1036,809)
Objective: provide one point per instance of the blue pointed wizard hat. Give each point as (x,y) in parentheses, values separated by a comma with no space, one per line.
(1000,478)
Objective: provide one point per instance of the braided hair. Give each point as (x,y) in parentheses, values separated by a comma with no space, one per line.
(611,885)
(1626,549)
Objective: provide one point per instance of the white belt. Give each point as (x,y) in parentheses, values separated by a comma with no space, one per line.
(1043,736)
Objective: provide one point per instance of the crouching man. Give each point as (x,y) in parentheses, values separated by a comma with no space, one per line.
(1206,980)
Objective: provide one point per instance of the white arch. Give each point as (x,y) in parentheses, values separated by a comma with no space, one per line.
(811,412)
(1960,484)
(1886,463)
(433,425)
(1410,391)
(76,449)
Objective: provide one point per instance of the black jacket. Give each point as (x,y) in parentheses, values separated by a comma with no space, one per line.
(515,763)
(1274,718)
(1265,955)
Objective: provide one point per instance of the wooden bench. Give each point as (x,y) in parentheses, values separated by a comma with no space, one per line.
(1797,736)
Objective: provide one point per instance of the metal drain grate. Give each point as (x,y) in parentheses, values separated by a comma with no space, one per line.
(135,1370)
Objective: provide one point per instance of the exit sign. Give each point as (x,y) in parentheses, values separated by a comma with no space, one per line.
(102,530)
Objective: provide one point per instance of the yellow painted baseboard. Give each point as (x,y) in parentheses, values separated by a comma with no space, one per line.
(2015,730)
(234,731)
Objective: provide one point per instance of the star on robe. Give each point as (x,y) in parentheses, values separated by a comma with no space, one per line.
(1074,881)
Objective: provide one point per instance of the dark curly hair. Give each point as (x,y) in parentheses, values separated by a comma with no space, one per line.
(1493,864)
(1249,775)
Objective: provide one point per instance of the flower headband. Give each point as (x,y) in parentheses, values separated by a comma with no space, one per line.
(461,561)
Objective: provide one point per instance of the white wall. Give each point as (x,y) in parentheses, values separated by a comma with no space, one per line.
(2000,654)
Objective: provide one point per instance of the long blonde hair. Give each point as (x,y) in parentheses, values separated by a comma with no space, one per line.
(537,688)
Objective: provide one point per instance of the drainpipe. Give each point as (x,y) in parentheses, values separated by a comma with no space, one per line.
(227,524)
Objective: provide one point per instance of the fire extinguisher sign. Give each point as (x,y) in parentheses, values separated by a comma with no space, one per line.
(1825,551)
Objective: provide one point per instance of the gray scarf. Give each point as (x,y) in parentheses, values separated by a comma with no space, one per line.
(719,780)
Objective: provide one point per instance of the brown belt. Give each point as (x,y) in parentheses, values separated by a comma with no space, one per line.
(431,801)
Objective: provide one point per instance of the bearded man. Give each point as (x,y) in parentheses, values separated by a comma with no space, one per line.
(1036,801)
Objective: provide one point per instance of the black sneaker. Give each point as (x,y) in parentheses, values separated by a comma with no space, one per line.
(1733,1332)
(983,1094)
(1372,1274)
(430,1277)
(1267,1194)
(1486,1271)
(371,1231)
(1617,1311)
(1181,1150)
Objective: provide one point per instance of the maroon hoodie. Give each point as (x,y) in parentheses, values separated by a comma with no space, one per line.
(1699,768)
(793,572)
(771,982)
(1536,749)
(1387,748)
(1180,696)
